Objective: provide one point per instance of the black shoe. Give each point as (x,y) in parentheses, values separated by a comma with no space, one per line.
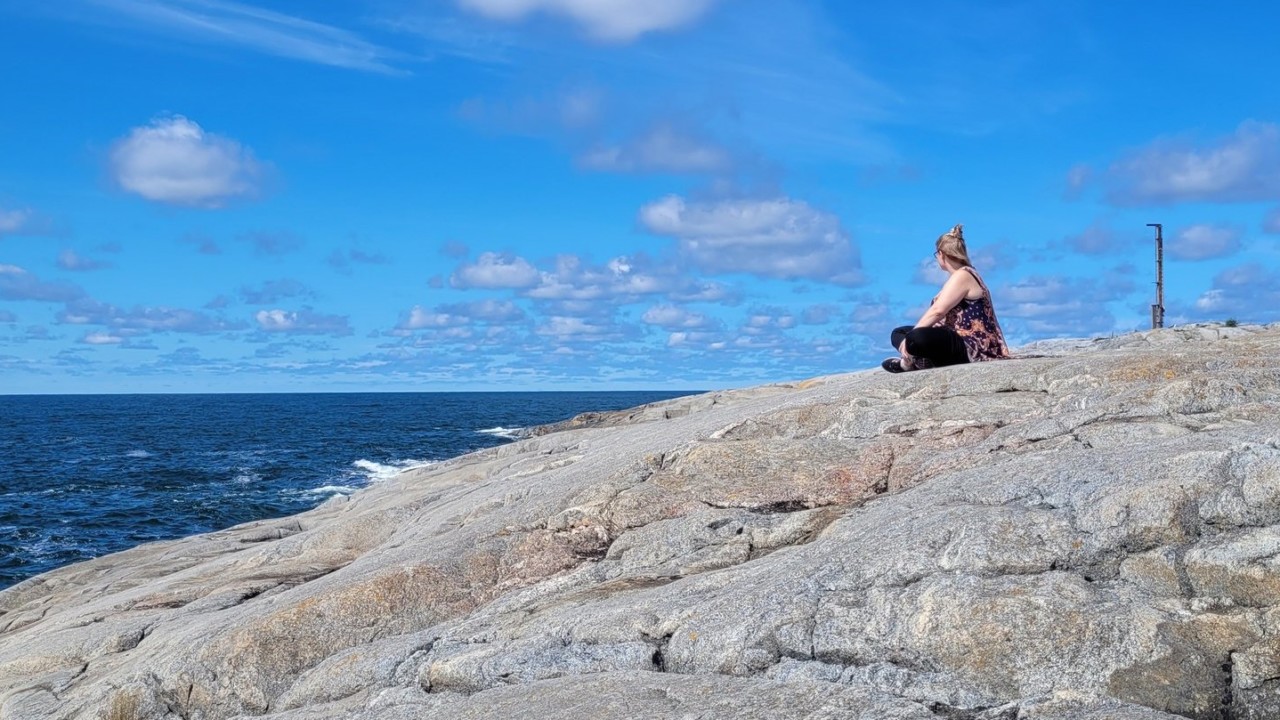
(893,365)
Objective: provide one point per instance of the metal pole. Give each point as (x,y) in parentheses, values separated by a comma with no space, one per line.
(1157,310)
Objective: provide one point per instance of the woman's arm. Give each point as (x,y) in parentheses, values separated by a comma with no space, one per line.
(952,292)
(955,289)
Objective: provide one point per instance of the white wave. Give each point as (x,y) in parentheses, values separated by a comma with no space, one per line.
(331,490)
(46,546)
(377,472)
(508,433)
(138,454)
(246,476)
(31,493)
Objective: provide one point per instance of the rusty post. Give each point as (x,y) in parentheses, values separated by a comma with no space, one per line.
(1157,310)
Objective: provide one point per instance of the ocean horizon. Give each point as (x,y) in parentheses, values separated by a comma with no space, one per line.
(90,474)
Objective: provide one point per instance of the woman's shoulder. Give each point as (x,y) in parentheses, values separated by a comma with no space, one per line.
(973,281)
(961,276)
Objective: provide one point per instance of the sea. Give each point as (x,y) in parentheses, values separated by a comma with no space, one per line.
(86,475)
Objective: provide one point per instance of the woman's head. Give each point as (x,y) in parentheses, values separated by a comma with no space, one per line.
(950,248)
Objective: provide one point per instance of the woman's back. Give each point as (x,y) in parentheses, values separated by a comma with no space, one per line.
(975,322)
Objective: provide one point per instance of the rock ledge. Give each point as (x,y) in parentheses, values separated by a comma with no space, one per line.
(1091,534)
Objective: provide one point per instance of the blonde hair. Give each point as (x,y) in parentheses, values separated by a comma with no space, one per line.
(951,245)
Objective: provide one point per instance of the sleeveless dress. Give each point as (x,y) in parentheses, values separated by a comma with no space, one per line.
(975,322)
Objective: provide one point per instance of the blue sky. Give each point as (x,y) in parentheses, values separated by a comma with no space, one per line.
(214,196)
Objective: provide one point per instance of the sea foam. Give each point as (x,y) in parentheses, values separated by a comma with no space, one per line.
(377,472)
(502,432)
(332,490)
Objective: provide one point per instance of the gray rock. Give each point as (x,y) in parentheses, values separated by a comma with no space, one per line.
(1090,534)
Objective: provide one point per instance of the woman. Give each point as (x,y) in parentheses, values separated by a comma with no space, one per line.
(960,325)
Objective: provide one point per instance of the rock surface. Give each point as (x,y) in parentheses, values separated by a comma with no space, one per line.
(1094,534)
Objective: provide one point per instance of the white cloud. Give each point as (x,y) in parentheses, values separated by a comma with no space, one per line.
(14,222)
(608,20)
(493,270)
(574,300)
(576,329)
(663,148)
(273,291)
(696,290)
(622,278)
(1204,242)
(873,316)
(184,356)
(1055,288)
(820,314)
(1067,317)
(1078,178)
(1058,305)
(670,317)
(759,341)
(268,32)
(762,328)
(446,32)
(767,320)
(579,308)
(141,318)
(174,161)
(1241,167)
(301,322)
(101,338)
(495,312)
(456,315)
(990,257)
(803,92)
(70,260)
(697,341)
(420,318)
(928,272)
(18,284)
(23,221)
(1036,290)
(1246,278)
(579,288)
(777,238)
(580,108)
(987,258)
(1249,293)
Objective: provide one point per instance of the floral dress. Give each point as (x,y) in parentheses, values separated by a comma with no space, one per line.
(975,322)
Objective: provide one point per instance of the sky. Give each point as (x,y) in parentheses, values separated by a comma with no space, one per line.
(436,195)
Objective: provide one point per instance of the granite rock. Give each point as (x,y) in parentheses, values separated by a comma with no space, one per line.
(1091,533)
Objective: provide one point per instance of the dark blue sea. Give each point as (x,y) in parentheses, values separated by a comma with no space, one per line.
(85,475)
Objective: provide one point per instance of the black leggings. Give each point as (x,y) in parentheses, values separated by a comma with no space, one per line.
(941,345)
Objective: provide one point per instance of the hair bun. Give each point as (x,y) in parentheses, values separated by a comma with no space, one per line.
(957,231)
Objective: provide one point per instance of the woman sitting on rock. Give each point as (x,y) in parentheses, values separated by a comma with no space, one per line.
(960,325)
